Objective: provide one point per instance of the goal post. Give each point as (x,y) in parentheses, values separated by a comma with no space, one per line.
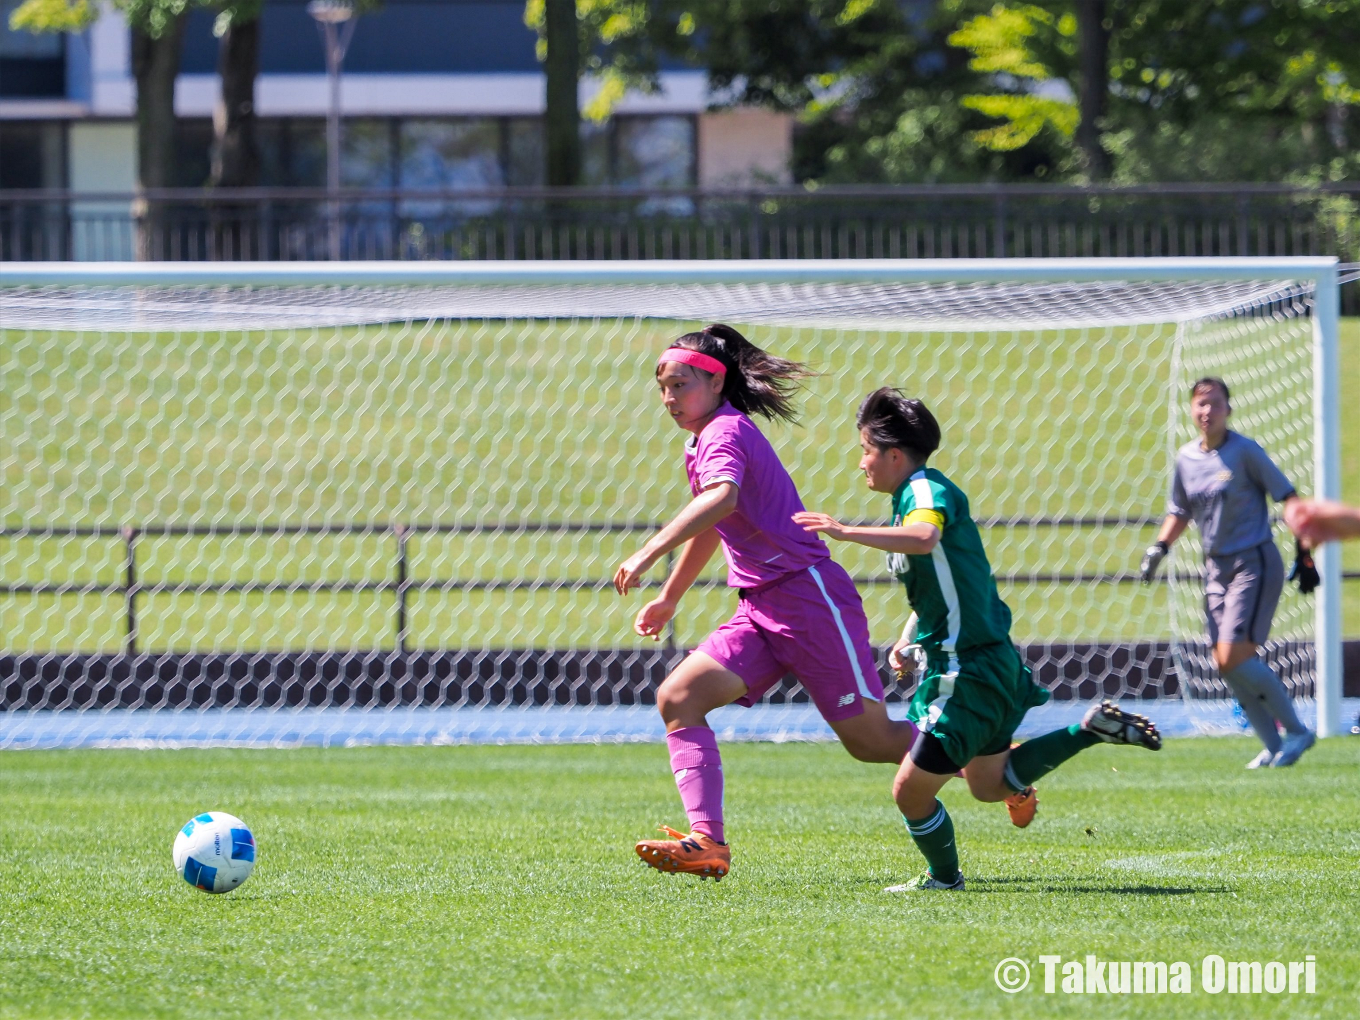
(1327,479)
(251,487)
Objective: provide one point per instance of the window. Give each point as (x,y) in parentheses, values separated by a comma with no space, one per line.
(26,45)
(31,64)
(654,152)
(366,154)
(451,154)
(639,152)
(32,154)
(525,151)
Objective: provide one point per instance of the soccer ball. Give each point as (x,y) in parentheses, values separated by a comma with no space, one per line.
(214,852)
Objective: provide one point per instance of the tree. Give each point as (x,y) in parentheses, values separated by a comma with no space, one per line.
(874,84)
(619,43)
(157,33)
(562,64)
(236,154)
(1171,89)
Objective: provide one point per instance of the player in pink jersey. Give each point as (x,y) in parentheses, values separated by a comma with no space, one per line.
(798,612)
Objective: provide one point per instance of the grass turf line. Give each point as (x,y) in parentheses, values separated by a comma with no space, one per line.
(500,881)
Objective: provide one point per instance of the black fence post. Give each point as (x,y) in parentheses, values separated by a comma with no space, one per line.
(130,587)
(402,532)
(999,245)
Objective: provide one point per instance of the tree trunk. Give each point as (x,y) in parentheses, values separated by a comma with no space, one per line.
(155,63)
(236,157)
(1094,74)
(235,154)
(563,68)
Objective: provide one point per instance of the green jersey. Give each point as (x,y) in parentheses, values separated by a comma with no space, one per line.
(951,590)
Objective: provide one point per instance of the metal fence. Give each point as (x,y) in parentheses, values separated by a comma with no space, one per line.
(401,585)
(139,677)
(543,223)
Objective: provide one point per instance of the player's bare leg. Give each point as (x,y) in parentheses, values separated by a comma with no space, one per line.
(696,687)
(930,827)
(872,736)
(986,776)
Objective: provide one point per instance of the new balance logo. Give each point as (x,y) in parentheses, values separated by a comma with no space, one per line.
(848,699)
(691,844)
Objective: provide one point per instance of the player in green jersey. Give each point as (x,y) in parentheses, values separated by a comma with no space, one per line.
(975,689)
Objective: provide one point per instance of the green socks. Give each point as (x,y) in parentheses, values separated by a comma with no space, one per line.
(1036,758)
(934,837)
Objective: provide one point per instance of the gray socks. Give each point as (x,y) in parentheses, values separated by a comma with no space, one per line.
(1264,700)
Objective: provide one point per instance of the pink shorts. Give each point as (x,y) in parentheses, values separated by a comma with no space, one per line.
(812,625)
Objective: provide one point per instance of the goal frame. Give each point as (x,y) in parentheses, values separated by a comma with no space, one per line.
(1322,274)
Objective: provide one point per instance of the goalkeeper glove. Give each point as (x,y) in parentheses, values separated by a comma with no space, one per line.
(1152,559)
(1305,572)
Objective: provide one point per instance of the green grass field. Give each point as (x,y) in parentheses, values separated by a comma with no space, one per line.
(483,423)
(500,882)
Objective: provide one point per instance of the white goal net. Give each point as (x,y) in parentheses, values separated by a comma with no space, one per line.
(249,506)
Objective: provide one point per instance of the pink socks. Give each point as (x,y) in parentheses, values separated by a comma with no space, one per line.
(698,775)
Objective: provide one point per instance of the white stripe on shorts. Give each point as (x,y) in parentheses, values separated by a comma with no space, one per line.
(845,637)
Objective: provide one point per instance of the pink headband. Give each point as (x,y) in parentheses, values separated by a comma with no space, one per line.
(694,358)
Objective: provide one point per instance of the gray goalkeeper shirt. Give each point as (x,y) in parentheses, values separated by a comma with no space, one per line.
(1224,490)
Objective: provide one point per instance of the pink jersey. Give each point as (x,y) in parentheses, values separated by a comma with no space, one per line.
(759,538)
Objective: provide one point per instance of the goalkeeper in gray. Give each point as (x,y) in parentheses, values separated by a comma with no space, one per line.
(1221,482)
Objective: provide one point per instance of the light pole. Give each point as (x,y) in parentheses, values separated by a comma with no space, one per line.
(335,20)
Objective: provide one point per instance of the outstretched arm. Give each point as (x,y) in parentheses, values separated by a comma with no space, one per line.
(917,539)
(653,617)
(703,512)
(1315,521)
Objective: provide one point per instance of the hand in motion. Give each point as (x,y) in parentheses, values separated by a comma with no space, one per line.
(1304,572)
(652,618)
(906,654)
(1314,521)
(629,574)
(820,523)
(1152,560)
(905,657)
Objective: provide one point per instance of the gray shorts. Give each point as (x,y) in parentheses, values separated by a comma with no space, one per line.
(1241,593)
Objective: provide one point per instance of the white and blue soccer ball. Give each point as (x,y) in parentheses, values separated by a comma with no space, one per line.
(214,852)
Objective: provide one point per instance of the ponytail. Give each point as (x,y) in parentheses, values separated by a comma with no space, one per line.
(756,382)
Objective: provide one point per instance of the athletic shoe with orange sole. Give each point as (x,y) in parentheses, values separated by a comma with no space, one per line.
(1022,806)
(695,854)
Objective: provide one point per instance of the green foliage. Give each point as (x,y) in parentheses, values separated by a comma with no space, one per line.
(963,90)
(1008,43)
(621,42)
(150,16)
(53,16)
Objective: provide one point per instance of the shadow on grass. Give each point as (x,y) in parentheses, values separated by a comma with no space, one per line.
(1014,885)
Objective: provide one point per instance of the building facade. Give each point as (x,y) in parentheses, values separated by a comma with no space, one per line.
(435,95)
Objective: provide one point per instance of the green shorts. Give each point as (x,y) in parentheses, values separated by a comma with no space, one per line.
(974,702)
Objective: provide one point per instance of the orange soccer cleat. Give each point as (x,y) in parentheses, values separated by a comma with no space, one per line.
(1022,806)
(695,854)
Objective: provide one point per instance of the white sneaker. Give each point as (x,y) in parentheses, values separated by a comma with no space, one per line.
(1262,760)
(1294,746)
(927,881)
